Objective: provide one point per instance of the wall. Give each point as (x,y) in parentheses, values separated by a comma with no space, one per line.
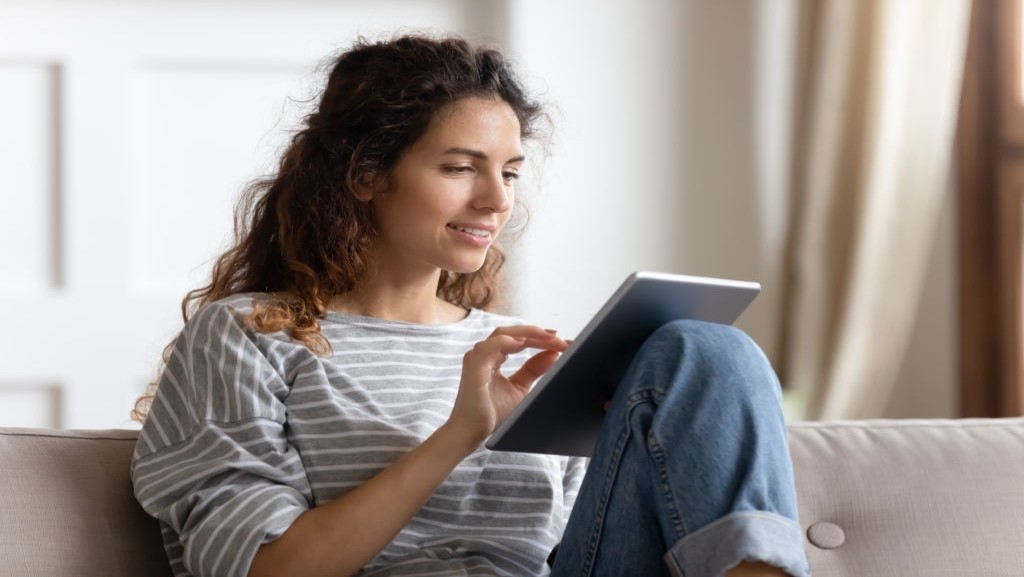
(672,154)
(129,130)
(654,152)
(669,153)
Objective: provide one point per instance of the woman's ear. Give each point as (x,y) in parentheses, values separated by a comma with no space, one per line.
(364,193)
(368,186)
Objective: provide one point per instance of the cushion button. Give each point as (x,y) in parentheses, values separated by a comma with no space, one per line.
(826,535)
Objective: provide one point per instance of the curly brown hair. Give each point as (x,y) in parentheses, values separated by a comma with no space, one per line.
(302,234)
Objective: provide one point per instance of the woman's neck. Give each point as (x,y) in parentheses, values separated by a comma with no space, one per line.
(411,302)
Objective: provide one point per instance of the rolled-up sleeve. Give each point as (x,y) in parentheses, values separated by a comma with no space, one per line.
(213,462)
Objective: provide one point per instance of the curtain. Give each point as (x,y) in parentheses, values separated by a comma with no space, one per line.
(878,89)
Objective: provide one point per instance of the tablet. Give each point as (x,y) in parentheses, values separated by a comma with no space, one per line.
(563,412)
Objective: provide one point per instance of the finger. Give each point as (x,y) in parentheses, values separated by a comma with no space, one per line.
(546,340)
(489,354)
(497,345)
(486,357)
(511,340)
(530,332)
(533,368)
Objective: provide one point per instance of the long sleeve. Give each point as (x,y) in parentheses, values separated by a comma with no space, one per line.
(218,461)
(213,462)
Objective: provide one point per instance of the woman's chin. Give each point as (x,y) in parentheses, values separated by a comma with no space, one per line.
(465,268)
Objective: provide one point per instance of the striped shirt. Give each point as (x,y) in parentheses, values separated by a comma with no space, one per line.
(248,430)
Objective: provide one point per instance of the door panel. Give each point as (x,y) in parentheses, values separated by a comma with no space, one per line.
(130,128)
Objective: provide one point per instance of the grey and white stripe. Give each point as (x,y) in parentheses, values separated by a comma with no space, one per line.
(248,430)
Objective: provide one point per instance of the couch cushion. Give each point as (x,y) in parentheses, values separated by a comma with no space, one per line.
(877,498)
(67,506)
(915,497)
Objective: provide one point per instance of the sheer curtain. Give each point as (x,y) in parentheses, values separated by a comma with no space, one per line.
(879,91)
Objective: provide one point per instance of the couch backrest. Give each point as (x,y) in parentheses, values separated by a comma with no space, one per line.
(934,498)
(877,498)
(66,507)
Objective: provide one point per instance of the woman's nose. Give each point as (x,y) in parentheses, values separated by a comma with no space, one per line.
(494,194)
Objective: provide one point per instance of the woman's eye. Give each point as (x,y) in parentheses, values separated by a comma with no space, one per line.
(510,176)
(457,169)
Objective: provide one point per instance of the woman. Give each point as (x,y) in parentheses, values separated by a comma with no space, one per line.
(323,410)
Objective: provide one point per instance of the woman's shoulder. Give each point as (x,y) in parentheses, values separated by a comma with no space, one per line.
(233,310)
(216,352)
(229,322)
(236,303)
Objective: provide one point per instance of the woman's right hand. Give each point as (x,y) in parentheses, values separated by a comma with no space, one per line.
(486,395)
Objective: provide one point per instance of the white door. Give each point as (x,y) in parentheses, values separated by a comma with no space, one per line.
(127,130)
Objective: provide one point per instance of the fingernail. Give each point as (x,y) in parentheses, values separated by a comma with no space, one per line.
(550,331)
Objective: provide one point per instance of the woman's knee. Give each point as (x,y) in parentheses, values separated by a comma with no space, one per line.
(706,338)
(710,351)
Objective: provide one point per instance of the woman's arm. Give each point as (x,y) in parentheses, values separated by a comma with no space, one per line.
(343,535)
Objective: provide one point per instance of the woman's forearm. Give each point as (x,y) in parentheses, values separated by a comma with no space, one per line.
(341,536)
(338,538)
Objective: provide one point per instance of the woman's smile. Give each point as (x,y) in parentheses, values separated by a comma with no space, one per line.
(476,236)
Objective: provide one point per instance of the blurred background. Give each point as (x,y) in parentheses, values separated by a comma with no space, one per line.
(810,145)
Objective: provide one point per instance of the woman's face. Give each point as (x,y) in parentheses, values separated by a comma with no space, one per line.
(451,193)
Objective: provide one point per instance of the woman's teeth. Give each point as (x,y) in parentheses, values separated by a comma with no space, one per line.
(473,231)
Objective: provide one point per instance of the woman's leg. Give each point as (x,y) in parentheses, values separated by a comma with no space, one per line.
(691,474)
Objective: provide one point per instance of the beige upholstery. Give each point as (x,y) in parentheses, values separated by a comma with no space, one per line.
(66,507)
(918,497)
(877,498)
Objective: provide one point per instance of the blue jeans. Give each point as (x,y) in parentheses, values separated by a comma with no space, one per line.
(691,474)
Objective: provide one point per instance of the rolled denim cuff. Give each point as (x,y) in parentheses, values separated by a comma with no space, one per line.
(742,536)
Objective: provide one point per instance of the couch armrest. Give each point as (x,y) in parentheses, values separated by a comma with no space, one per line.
(68,509)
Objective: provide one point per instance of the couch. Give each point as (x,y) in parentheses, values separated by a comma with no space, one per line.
(936,498)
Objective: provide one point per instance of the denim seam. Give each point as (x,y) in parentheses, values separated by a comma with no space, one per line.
(602,507)
(672,507)
(655,397)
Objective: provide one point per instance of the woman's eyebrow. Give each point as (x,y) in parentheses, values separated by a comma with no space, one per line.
(479,154)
